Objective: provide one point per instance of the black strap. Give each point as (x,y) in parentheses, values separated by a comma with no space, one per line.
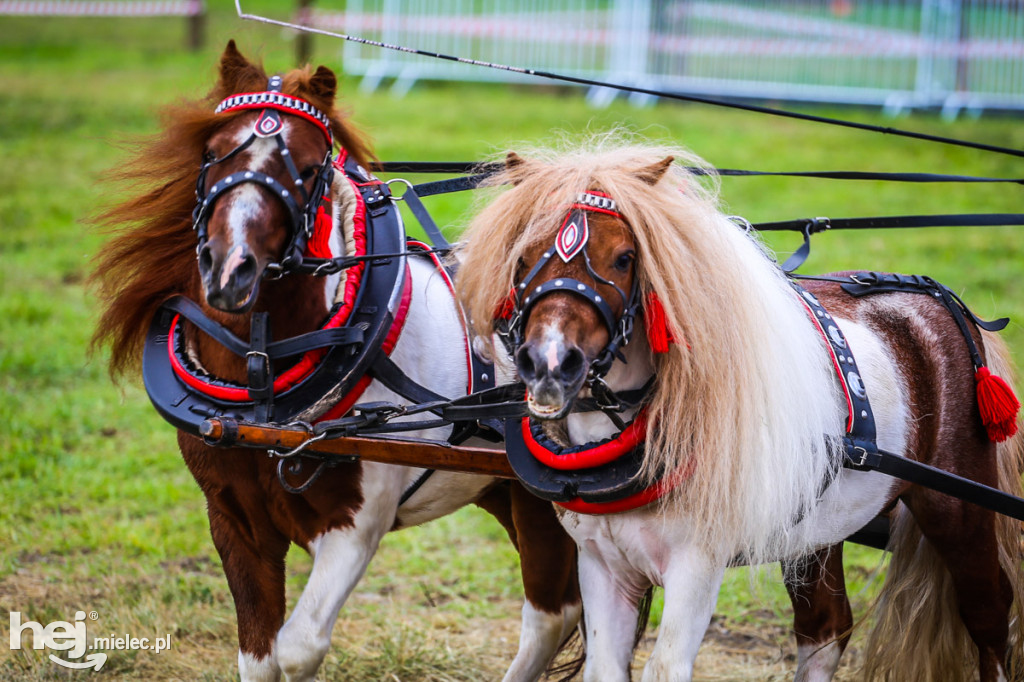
(394,379)
(942,220)
(939,480)
(865,283)
(437,239)
(259,368)
(460,184)
(321,338)
(811,226)
(485,170)
(416,485)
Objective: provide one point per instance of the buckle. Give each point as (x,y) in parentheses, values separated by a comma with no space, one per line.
(819,224)
(260,354)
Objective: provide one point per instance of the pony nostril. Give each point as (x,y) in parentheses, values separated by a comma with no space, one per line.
(246,270)
(572,364)
(205,260)
(525,363)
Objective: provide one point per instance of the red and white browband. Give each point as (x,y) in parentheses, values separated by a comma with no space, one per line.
(281,102)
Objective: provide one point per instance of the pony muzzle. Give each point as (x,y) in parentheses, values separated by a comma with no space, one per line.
(230,283)
(553,374)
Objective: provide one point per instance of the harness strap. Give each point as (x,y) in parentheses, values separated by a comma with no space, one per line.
(942,481)
(295,345)
(811,226)
(865,283)
(426,221)
(259,368)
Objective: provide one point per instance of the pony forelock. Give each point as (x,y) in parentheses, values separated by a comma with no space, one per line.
(747,392)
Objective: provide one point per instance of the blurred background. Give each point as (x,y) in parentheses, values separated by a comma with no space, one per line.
(98,512)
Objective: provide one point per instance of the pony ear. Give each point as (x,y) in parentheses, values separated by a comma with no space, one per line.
(235,69)
(516,164)
(651,174)
(324,83)
(513,160)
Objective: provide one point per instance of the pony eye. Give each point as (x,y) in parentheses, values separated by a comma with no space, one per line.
(208,156)
(624,261)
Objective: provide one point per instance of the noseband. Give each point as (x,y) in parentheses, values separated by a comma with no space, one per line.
(570,242)
(269,125)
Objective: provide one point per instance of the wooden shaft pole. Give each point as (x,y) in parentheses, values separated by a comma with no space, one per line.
(389,450)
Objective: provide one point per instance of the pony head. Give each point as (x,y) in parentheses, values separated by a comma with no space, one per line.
(244,230)
(577,301)
(733,386)
(264,173)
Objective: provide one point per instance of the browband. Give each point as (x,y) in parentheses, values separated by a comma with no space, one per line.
(281,102)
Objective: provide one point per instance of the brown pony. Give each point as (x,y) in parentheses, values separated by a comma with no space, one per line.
(339,519)
(742,424)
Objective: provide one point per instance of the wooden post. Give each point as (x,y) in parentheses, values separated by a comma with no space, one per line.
(196,25)
(304,42)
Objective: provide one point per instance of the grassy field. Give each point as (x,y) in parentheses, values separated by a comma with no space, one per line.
(99,514)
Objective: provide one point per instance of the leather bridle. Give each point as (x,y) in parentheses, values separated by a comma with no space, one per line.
(302,217)
(570,242)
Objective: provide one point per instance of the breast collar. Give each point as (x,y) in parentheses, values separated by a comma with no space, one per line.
(334,360)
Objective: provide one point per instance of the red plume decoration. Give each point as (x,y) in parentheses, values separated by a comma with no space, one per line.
(659,336)
(997,404)
(505,309)
(319,245)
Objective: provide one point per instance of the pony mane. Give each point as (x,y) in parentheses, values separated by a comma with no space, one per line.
(748,395)
(151,256)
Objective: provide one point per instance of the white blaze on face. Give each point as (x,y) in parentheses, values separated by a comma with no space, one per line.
(243,203)
(551,343)
(233,260)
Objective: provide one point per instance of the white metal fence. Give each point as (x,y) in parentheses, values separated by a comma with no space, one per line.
(953,54)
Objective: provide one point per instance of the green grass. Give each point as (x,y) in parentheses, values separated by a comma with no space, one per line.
(98,511)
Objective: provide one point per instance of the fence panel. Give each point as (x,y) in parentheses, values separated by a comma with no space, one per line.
(898,54)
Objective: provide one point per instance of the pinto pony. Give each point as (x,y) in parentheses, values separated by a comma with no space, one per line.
(342,516)
(741,423)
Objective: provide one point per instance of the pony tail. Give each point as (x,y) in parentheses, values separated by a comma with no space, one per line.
(917,632)
(916,618)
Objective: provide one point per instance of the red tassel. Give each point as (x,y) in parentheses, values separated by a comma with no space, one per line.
(507,307)
(997,404)
(319,245)
(658,335)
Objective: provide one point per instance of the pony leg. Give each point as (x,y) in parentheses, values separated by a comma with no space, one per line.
(254,568)
(692,582)
(822,619)
(251,549)
(610,616)
(548,563)
(340,557)
(552,607)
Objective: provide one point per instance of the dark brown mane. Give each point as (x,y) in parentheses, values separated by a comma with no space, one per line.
(152,254)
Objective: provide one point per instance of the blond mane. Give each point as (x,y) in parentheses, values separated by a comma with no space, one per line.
(746,394)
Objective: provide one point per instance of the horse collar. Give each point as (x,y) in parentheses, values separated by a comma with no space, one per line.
(334,361)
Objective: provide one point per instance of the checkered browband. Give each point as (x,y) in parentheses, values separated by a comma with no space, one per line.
(597,201)
(281,102)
